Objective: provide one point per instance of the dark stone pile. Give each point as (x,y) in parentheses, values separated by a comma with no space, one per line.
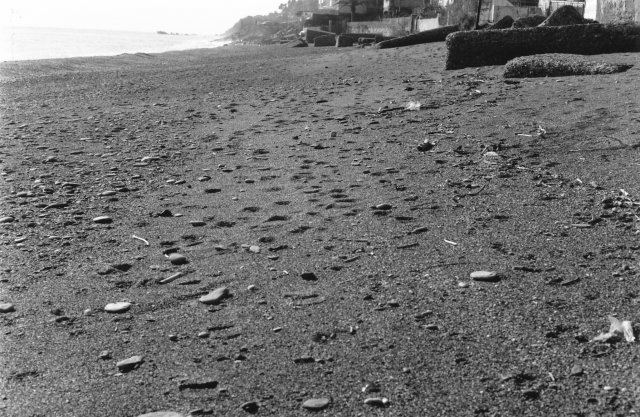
(496,47)
(558,65)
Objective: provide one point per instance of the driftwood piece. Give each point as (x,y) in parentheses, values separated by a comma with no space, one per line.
(433,35)
(558,65)
(496,47)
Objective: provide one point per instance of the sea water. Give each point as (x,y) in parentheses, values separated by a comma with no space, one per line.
(23,43)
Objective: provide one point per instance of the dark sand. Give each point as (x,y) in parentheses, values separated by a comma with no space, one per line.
(298,154)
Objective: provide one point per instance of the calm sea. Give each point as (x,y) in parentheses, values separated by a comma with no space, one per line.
(21,43)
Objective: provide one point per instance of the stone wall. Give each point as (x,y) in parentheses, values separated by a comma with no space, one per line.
(496,47)
(617,11)
(434,35)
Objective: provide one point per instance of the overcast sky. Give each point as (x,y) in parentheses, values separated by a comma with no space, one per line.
(184,16)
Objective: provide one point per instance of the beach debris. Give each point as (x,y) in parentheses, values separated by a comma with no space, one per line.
(146,242)
(130,364)
(216,296)
(316,404)
(413,105)
(617,329)
(119,307)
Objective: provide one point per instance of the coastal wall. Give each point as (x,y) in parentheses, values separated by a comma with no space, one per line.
(616,11)
(392,27)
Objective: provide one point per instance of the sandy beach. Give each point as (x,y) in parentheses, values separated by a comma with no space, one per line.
(328,236)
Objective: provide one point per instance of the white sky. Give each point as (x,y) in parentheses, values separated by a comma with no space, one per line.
(183,16)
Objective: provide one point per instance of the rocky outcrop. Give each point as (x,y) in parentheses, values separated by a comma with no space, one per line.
(433,35)
(528,22)
(563,16)
(496,47)
(557,65)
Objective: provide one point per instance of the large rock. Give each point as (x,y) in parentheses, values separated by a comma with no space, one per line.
(311,34)
(342,41)
(528,22)
(496,47)
(557,65)
(564,16)
(427,36)
(325,40)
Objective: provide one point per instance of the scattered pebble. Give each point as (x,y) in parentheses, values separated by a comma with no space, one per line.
(7,308)
(254,249)
(377,401)
(119,307)
(162,414)
(103,220)
(7,219)
(107,193)
(215,296)
(316,404)
(177,259)
(485,276)
(250,407)
(105,354)
(576,370)
(130,364)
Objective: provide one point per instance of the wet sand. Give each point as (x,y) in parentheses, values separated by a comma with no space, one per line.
(296,179)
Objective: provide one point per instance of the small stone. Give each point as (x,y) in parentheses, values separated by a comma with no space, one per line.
(107,193)
(120,307)
(309,276)
(130,364)
(576,370)
(383,207)
(463,284)
(203,335)
(162,414)
(252,288)
(104,355)
(316,404)
(103,220)
(485,276)
(215,296)
(377,401)
(200,383)
(7,308)
(197,223)
(7,219)
(250,407)
(254,249)
(178,259)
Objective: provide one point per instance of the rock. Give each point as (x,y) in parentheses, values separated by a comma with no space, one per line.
(108,193)
(316,404)
(576,370)
(426,146)
(103,220)
(427,36)
(383,207)
(7,219)
(105,354)
(254,249)
(216,296)
(325,40)
(177,259)
(558,65)
(377,401)
(202,383)
(309,276)
(7,308)
(250,407)
(197,223)
(162,414)
(120,307)
(564,16)
(130,364)
(485,276)
(298,43)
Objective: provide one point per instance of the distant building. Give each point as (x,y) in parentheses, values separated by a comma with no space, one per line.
(362,7)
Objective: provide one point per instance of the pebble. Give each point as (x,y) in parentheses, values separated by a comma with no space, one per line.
(197,223)
(162,414)
(103,220)
(377,401)
(485,276)
(315,404)
(130,364)
(577,370)
(7,219)
(309,276)
(107,193)
(250,407)
(7,308)
(383,207)
(120,307)
(178,259)
(215,296)
(104,355)
(254,249)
